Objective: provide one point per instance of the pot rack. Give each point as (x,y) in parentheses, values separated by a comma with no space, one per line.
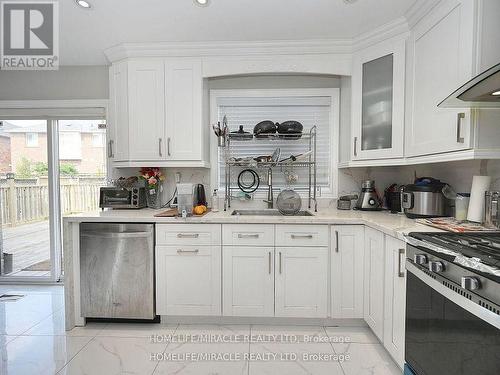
(308,139)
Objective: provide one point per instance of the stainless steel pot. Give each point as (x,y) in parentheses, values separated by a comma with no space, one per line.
(424,201)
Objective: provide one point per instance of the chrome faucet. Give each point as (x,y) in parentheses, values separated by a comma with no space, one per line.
(270,199)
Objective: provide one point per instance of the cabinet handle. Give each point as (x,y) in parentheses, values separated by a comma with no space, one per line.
(280,261)
(269,263)
(187,235)
(355,146)
(336,241)
(401,253)
(110,149)
(180,251)
(242,235)
(460,116)
(294,236)
(159,146)
(168,146)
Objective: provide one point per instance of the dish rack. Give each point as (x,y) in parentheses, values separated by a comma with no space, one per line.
(307,138)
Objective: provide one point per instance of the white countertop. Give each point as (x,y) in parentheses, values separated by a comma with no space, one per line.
(396,225)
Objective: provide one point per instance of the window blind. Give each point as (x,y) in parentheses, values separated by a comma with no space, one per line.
(248,111)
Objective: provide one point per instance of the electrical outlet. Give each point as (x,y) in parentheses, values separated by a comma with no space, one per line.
(177,177)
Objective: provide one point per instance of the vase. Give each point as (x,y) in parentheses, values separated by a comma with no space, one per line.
(153,198)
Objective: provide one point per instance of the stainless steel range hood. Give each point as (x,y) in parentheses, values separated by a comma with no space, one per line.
(478,92)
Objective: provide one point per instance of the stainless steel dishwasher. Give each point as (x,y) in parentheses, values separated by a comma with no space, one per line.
(117,270)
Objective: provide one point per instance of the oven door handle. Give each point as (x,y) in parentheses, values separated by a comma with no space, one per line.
(465,303)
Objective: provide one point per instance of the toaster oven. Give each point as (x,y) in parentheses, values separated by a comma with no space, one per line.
(122,197)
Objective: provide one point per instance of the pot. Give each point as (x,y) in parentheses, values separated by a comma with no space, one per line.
(290,127)
(265,127)
(424,200)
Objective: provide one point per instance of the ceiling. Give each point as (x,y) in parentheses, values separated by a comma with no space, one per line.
(84,34)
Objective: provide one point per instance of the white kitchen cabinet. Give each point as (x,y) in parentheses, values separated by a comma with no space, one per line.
(374,265)
(301,282)
(146,92)
(395,299)
(188,280)
(156,113)
(378,84)
(446,49)
(117,123)
(183,85)
(347,249)
(248,281)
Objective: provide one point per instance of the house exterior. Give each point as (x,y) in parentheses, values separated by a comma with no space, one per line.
(5,148)
(81,144)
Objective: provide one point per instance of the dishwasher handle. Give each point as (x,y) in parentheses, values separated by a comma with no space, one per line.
(97,234)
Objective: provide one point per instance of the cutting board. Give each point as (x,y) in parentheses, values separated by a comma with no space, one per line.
(174,212)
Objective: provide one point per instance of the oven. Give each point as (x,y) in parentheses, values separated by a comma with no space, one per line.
(449,330)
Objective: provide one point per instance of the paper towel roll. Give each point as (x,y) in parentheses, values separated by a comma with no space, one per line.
(480,184)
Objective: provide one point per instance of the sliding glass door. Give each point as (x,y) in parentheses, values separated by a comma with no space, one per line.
(48,168)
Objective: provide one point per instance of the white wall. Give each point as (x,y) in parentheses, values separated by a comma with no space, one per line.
(69,82)
(457,174)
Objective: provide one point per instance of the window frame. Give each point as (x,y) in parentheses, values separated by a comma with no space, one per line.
(330,191)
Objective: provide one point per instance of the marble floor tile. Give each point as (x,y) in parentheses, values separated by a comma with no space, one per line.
(290,334)
(300,358)
(115,355)
(204,358)
(54,325)
(366,359)
(137,329)
(28,355)
(362,335)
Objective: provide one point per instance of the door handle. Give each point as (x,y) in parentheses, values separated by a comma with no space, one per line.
(460,116)
(168,146)
(159,146)
(110,149)
(187,235)
(401,253)
(280,261)
(336,241)
(180,251)
(355,146)
(269,263)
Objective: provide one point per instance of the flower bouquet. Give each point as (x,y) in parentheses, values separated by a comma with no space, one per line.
(153,179)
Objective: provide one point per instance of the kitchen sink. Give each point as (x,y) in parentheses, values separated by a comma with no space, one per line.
(267,213)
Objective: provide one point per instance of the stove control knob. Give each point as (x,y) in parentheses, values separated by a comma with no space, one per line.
(470,283)
(420,259)
(436,267)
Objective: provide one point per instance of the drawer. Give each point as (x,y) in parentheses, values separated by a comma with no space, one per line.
(188,234)
(302,235)
(248,234)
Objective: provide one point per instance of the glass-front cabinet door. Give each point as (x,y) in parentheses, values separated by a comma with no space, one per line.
(378,101)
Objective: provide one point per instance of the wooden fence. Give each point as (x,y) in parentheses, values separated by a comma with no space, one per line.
(24,201)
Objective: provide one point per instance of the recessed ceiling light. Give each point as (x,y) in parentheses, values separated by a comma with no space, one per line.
(83,4)
(496,93)
(202,3)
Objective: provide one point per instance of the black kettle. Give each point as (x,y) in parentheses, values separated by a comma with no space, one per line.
(200,198)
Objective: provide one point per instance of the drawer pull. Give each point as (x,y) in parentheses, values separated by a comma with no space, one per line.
(295,236)
(188,235)
(180,251)
(250,235)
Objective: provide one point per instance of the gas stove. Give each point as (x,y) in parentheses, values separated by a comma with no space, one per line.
(468,263)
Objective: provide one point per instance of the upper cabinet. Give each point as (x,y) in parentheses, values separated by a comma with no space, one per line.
(156,113)
(447,48)
(442,50)
(378,83)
